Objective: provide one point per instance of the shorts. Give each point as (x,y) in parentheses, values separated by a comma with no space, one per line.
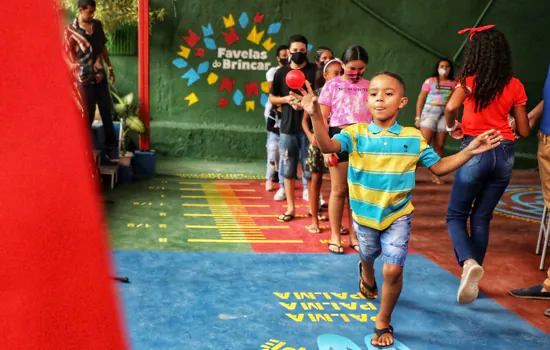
(392,242)
(433,118)
(342,156)
(315,163)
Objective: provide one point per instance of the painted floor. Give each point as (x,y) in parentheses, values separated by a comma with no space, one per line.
(211,268)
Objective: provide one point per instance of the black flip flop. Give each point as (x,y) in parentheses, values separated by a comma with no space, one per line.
(340,249)
(285,217)
(373,289)
(379,333)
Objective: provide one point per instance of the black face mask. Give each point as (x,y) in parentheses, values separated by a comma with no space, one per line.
(298,57)
(283,61)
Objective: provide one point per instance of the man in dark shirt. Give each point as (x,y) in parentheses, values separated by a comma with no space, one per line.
(85,48)
(293,141)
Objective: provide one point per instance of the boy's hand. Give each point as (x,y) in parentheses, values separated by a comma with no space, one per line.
(308,101)
(485,142)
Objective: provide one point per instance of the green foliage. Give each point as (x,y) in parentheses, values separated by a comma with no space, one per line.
(127,111)
(114,13)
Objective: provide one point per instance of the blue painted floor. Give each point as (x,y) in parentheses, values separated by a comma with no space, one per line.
(227,301)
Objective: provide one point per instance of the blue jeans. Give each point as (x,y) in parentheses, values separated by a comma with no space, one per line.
(477,188)
(393,241)
(293,149)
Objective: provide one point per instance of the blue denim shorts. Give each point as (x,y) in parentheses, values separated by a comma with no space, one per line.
(392,243)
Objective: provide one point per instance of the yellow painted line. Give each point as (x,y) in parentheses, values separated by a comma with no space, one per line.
(213,183)
(240,241)
(215,189)
(220,226)
(237,215)
(223,197)
(259,234)
(226,205)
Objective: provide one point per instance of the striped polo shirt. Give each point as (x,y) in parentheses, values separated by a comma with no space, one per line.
(381,174)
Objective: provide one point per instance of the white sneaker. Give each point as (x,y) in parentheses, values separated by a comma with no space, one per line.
(305,195)
(469,284)
(280,195)
(269,185)
(321,200)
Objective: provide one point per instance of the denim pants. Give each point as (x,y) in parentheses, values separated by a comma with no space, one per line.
(293,150)
(477,189)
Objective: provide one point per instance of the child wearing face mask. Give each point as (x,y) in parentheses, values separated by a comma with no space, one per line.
(430,107)
(344,100)
(324,54)
(315,161)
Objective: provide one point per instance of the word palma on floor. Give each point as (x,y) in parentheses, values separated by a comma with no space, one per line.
(338,302)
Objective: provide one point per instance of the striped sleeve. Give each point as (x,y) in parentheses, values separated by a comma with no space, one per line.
(346,141)
(428,157)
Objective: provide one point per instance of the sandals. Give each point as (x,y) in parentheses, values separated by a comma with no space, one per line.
(379,333)
(371,289)
(340,249)
(313,230)
(285,217)
(344,231)
(320,216)
(355,247)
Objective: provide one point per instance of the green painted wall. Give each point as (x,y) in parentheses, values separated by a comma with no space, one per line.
(204,130)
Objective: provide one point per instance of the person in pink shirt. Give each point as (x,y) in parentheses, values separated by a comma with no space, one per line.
(344,100)
(430,107)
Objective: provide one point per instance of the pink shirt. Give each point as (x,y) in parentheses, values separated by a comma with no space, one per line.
(348,102)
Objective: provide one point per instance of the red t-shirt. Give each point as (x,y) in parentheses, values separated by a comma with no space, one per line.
(495,115)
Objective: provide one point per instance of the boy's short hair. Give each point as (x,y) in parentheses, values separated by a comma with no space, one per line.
(297,39)
(280,48)
(83,4)
(393,75)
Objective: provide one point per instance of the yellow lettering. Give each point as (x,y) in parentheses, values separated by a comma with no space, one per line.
(343,296)
(320,317)
(345,318)
(136,203)
(162,225)
(290,306)
(310,306)
(360,318)
(281,295)
(304,295)
(357,296)
(350,306)
(131,225)
(296,318)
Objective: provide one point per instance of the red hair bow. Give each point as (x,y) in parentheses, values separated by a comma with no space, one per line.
(475,30)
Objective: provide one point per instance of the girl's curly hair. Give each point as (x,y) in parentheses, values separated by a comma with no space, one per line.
(487,57)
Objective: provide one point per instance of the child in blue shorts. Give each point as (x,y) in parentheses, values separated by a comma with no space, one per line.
(383,157)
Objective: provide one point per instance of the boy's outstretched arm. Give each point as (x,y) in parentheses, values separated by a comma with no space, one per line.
(484,142)
(309,103)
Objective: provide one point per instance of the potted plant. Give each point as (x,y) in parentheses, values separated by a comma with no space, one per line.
(126,110)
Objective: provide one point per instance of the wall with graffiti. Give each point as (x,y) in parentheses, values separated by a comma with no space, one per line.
(209,58)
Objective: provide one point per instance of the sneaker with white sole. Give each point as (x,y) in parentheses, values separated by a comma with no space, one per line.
(280,195)
(321,200)
(269,185)
(469,284)
(305,195)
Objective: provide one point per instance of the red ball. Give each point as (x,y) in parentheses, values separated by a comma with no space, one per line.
(295,79)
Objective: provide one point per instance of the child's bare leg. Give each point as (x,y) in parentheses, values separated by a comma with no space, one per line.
(314,188)
(393,283)
(367,274)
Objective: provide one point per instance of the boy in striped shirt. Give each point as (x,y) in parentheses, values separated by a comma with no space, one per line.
(383,157)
